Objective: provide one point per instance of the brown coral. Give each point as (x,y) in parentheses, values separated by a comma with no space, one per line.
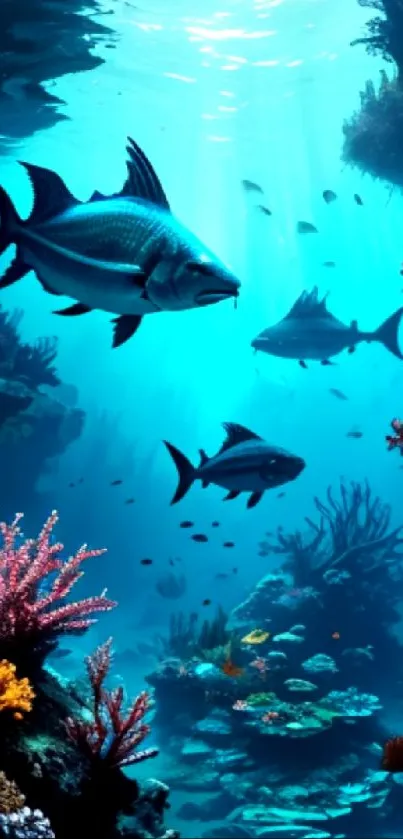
(11,799)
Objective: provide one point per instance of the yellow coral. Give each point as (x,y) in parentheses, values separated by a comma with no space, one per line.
(15,694)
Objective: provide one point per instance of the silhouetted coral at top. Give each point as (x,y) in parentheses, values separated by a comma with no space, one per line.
(41,40)
(373,133)
(384,33)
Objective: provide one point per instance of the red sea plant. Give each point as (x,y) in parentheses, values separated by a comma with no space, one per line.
(392,759)
(33,610)
(110,739)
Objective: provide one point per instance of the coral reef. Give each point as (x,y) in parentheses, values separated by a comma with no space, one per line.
(15,694)
(34,424)
(372,135)
(67,751)
(32,612)
(40,41)
(109,740)
(287,742)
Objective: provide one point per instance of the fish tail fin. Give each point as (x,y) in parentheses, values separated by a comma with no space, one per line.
(9,221)
(388,333)
(186,472)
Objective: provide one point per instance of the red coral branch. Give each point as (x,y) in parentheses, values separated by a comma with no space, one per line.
(109,738)
(24,610)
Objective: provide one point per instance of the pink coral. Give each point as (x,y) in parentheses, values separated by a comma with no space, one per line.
(26,609)
(109,738)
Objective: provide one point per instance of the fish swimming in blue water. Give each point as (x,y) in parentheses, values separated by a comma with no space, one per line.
(125,254)
(244,463)
(310,331)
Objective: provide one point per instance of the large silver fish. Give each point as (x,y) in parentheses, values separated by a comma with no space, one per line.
(126,254)
(245,463)
(310,331)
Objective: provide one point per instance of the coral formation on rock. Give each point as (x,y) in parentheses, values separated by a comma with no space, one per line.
(34,424)
(289,745)
(373,133)
(65,750)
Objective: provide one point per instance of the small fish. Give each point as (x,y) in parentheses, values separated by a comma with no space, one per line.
(338,394)
(228,544)
(329,196)
(215,523)
(336,636)
(171,562)
(199,537)
(264,210)
(281,495)
(116,483)
(356,435)
(60,652)
(358,200)
(146,561)
(310,331)
(72,484)
(125,254)
(130,500)
(234,570)
(81,481)
(230,669)
(185,524)
(305,227)
(329,264)
(206,602)
(251,186)
(221,575)
(244,463)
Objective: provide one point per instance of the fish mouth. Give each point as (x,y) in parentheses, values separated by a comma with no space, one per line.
(298,466)
(205,298)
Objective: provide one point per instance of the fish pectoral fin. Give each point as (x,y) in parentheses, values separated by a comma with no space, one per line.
(254,499)
(15,271)
(233,493)
(124,327)
(205,484)
(47,287)
(303,364)
(351,349)
(326,363)
(51,196)
(74,309)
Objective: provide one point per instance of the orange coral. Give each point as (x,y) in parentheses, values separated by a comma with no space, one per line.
(15,694)
(11,799)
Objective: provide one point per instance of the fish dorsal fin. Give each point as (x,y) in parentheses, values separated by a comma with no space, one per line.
(51,196)
(236,434)
(309,305)
(98,196)
(203,458)
(142,181)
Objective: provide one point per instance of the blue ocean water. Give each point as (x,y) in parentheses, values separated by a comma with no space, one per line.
(253,90)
